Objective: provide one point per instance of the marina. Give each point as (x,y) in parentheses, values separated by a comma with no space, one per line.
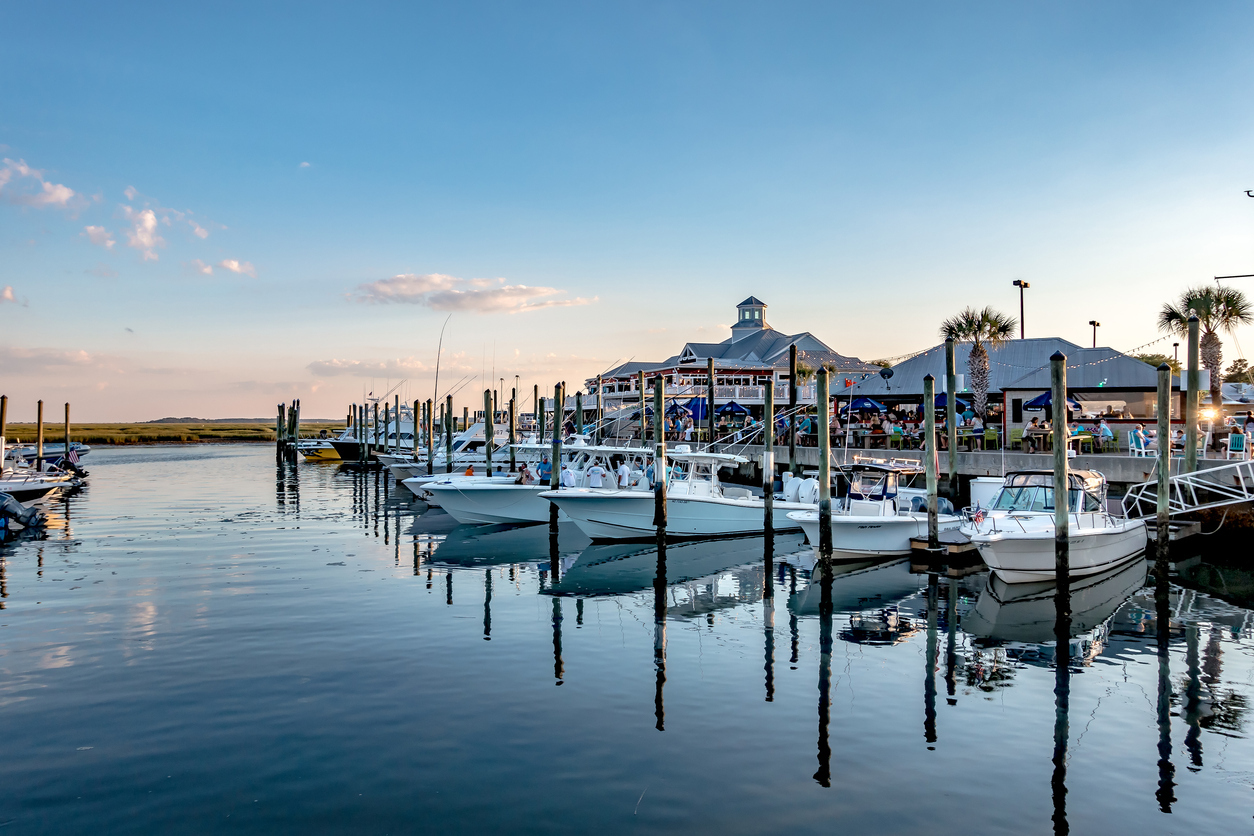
(300,645)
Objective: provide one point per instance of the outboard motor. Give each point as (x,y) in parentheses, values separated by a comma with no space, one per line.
(808,491)
(11,509)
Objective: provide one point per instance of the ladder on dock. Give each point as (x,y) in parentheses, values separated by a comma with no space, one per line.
(1214,487)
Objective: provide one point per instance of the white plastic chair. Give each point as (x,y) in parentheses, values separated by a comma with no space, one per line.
(1135,449)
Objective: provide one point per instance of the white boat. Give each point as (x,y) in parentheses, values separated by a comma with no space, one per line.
(697,504)
(27,486)
(1015,535)
(467,452)
(875,517)
(494,500)
(52,453)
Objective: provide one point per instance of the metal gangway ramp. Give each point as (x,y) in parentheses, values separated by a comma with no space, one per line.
(1214,487)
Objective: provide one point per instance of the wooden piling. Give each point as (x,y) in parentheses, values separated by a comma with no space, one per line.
(430,437)
(659,459)
(396,411)
(825,470)
(930,459)
(1190,402)
(1062,513)
(374,438)
(489,432)
(951,418)
(578,412)
(1164,462)
(768,465)
(4,426)
(387,413)
(448,434)
(280,427)
(599,433)
(555,474)
(513,427)
(417,429)
(65,455)
(39,437)
(792,410)
(465,418)
(643,418)
(709,399)
(541,418)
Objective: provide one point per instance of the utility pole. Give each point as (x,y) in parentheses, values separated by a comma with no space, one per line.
(1095,325)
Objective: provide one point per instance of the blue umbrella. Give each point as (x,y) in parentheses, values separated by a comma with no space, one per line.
(731,408)
(676,409)
(696,408)
(942,401)
(863,405)
(1043,400)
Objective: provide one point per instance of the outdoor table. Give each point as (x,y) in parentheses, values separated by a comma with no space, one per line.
(971,436)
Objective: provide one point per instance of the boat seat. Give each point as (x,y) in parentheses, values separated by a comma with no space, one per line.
(918,505)
(737,493)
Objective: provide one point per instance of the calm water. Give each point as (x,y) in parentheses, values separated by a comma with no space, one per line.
(206,642)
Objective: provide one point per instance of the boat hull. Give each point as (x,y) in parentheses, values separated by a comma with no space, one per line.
(1020,557)
(865,535)
(320,454)
(628,515)
(478,502)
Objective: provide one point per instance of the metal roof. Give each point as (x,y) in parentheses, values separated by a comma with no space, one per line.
(1019,364)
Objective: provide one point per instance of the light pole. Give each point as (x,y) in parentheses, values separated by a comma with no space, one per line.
(1095,325)
(1175,347)
(1022,285)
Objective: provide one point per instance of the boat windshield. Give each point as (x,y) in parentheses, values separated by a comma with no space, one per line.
(872,485)
(1040,498)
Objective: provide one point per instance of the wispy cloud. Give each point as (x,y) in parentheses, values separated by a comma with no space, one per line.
(143,232)
(199,231)
(99,236)
(7,295)
(304,165)
(19,360)
(368,368)
(200,267)
(242,267)
(35,190)
(449,293)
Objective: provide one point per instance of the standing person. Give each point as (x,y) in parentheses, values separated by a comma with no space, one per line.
(568,476)
(624,475)
(596,475)
(545,470)
(1249,423)
(688,428)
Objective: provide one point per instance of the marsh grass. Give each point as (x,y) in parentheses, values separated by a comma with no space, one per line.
(159,433)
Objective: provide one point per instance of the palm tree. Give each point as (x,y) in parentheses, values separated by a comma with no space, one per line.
(982,329)
(1218,309)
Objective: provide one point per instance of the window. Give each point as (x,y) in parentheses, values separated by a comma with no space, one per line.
(1016,410)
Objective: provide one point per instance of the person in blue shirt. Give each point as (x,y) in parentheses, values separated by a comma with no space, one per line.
(545,470)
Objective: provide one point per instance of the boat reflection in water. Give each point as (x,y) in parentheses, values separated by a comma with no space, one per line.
(494,545)
(858,586)
(618,568)
(1026,613)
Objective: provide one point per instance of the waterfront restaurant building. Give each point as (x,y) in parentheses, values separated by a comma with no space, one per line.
(753,357)
(1105,382)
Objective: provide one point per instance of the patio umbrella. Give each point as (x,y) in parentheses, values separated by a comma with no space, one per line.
(676,409)
(942,401)
(648,412)
(731,408)
(863,405)
(696,408)
(1043,400)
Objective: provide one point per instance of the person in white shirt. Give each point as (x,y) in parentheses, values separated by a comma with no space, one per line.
(595,474)
(568,476)
(624,476)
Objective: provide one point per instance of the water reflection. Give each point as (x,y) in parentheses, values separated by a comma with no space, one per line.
(659,635)
(824,774)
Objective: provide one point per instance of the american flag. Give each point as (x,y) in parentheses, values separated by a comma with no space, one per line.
(72,456)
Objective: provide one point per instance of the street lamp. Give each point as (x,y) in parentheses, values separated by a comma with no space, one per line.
(1175,347)
(1022,285)
(1095,325)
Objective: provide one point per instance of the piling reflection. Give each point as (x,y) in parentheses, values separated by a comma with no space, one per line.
(1165,794)
(487,605)
(929,680)
(659,635)
(823,776)
(951,643)
(1062,700)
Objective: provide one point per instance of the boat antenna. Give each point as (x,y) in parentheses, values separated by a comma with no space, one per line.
(438,352)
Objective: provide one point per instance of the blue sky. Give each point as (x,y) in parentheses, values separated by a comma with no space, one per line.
(583,183)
